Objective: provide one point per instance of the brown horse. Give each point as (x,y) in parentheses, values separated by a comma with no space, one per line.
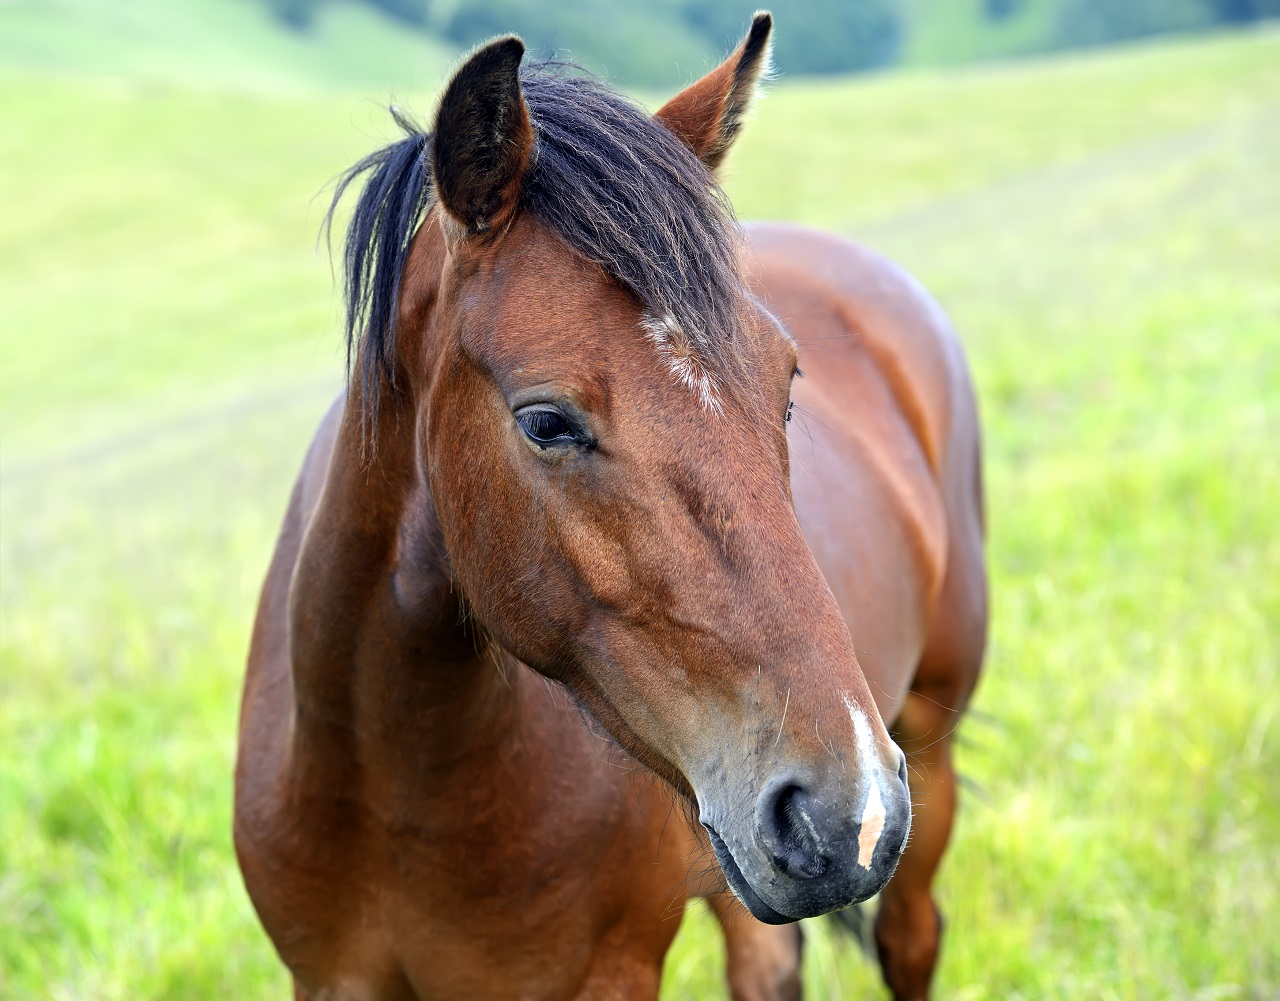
(561,523)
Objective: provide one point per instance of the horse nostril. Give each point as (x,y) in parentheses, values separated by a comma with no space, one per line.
(902,769)
(789,834)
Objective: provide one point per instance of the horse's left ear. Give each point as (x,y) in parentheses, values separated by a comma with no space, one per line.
(708,114)
(483,138)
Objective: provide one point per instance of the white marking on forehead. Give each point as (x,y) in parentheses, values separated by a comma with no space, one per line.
(682,360)
(871,826)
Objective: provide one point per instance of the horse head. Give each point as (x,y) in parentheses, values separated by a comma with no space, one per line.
(600,415)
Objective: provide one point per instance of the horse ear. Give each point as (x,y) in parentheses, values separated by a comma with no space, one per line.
(708,114)
(483,137)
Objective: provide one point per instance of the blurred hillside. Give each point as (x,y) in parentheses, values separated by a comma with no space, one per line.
(958,31)
(1101,228)
(221,44)
(660,44)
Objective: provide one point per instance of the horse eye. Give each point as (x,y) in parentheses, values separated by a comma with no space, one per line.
(545,427)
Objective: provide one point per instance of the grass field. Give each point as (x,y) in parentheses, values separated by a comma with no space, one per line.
(217,45)
(1103,229)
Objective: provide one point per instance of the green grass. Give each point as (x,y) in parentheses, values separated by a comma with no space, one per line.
(215,44)
(954,31)
(1103,231)
(846,154)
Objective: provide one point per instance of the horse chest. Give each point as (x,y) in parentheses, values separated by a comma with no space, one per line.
(502,876)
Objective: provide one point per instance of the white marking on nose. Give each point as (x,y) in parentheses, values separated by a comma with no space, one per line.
(872,824)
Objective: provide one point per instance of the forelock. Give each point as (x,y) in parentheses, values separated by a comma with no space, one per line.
(627,194)
(612,182)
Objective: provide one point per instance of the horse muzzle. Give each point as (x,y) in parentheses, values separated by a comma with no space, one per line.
(806,849)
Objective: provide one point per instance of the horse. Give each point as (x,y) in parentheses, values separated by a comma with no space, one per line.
(568,620)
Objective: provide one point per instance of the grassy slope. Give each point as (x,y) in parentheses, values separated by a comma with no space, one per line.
(1101,228)
(217,43)
(957,31)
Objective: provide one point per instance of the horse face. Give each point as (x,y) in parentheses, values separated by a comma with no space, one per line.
(618,514)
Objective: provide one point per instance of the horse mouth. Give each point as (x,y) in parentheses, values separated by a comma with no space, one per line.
(738,883)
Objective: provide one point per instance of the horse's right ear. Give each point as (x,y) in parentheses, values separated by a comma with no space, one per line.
(483,138)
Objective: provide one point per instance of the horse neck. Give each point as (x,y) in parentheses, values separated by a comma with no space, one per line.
(381,649)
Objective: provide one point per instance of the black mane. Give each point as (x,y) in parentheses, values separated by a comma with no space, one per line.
(615,185)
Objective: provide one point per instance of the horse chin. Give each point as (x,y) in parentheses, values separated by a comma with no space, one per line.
(739,885)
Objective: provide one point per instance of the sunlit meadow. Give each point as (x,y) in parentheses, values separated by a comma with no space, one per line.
(1104,230)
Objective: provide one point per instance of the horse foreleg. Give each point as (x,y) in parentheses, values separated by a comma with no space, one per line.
(908,924)
(762,961)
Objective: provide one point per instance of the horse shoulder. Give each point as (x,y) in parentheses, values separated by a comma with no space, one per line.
(889,418)
(886,312)
(267,677)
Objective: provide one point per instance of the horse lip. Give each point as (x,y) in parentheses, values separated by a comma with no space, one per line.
(738,883)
